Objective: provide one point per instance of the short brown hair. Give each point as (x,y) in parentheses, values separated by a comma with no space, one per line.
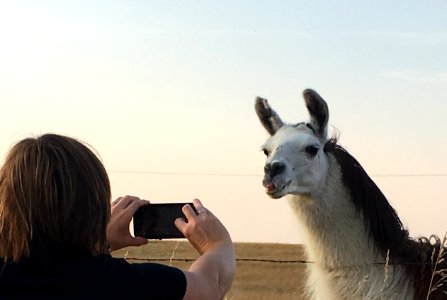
(53,189)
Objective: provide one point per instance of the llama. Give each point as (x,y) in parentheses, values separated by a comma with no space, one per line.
(353,237)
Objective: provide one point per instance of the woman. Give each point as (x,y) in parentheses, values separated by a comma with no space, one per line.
(57,228)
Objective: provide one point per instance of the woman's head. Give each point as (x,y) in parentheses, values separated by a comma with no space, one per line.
(53,189)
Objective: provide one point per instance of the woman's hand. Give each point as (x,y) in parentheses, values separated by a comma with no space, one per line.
(203,230)
(118,234)
(211,275)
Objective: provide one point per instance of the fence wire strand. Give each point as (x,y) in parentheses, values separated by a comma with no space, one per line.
(262,260)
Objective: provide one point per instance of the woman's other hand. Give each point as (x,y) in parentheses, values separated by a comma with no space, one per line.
(122,211)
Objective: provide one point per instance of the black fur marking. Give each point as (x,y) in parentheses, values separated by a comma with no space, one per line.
(298,124)
(384,226)
(381,219)
(317,108)
(308,125)
(268,117)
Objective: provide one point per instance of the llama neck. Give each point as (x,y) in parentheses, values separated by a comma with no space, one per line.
(334,230)
(346,237)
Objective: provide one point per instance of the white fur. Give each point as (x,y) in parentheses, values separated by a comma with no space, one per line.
(345,263)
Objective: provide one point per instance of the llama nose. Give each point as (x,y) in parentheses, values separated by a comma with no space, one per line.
(274,168)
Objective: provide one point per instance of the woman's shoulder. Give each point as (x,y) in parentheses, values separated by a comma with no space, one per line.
(140,269)
(163,281)
(89,277)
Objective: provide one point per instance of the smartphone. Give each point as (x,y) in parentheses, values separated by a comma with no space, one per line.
(156,221)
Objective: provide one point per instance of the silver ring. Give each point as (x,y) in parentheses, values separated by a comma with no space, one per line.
(203,210)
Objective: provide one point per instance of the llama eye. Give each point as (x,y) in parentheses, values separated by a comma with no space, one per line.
(312,150)
(266,152)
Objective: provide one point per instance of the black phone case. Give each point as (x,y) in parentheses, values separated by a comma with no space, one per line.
(156,221)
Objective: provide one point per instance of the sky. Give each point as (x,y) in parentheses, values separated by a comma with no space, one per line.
(164,91)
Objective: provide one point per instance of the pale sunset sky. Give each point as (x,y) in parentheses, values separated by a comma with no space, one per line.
(164,91)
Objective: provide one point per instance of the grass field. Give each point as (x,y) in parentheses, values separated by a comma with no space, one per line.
(260,280)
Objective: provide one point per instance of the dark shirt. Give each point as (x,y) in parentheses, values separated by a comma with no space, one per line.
(61,275)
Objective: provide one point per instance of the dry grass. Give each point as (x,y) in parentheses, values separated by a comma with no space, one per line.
(258,280)
(439,275)
(254,279)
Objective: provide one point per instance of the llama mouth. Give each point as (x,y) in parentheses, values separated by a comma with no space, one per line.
(270,188)
(273,189)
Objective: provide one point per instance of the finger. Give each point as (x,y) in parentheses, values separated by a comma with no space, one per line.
(189,212)
(180,224)
(123,203)
(197,204)
(116,201)
(200,209)
(135,205)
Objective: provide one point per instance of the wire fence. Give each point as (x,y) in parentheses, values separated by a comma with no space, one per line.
(238,259)
(274,261)
(441,174)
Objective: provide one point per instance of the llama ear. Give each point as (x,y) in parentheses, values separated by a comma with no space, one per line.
(268,117)
(319,112)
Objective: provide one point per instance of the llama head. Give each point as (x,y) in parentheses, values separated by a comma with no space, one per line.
(296,163)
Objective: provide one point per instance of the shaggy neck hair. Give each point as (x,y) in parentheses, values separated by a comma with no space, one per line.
(381,220)
(384,226)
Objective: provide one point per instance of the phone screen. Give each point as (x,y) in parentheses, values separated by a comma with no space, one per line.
(156,221)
